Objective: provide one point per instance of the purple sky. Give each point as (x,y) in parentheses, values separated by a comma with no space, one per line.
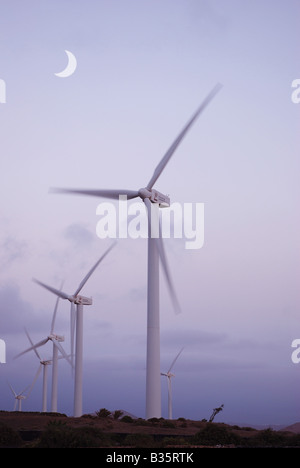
(143,69)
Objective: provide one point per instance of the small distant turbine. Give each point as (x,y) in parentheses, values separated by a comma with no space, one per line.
(44,363)
(169,375)
(56,341)
(80,301)
(20,396)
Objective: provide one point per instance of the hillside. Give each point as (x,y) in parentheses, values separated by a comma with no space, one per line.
(295,428)
(55,430)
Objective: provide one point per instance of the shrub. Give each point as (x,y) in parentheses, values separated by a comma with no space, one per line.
(215,435)
(139,440)
(168,423)
(68,437)
(127,419)
(9,438)
(103,413)
(169,441)
(268,438)
(118,414)
(294,440)
(142,422)
(154,420)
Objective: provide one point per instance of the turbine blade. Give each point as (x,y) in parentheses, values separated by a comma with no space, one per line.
(160,247)
(32,344)
(55,312)
(161,251)
(62,351)
(21,393)
(63,357)
(34,380)
(54,315)
(12,390)
(53,290)
(172,365)
(37,345)
(162,164)
(113,194)
(92,270)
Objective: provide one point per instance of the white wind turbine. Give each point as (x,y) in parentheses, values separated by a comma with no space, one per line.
(169,375)
(20,396)
(57,347)
(80,301)
(153,200)
(44,363)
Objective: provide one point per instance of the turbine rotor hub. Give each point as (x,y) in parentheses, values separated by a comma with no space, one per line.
(144,193)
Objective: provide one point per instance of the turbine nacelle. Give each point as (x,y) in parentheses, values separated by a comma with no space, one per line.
(83,300)
(55,337)
(161,199)
(167,374)
(155,197)
(46,362)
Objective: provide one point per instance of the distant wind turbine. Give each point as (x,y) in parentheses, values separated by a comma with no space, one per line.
(56,341)
(20,396)
(44,363)
(80,301)
(169,376)
(153,200)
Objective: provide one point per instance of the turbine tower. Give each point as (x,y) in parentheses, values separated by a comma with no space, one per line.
(169,375)
(56,342)
(153,200)
(80,301)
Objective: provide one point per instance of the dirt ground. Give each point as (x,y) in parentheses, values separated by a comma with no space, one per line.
(31,426)
(31,421)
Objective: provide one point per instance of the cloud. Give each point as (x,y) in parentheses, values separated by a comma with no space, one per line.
(12,250)
(192,338)
(14,310)
(79,235)
(16,314)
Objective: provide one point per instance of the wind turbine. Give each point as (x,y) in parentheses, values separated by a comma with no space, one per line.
(80,301)
(169,375)
(20,396)
(56,342)
(153,200)
(44,363)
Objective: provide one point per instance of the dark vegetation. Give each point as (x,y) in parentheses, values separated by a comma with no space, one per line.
(59,431)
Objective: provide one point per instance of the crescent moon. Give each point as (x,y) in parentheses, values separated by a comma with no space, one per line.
(71,66)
